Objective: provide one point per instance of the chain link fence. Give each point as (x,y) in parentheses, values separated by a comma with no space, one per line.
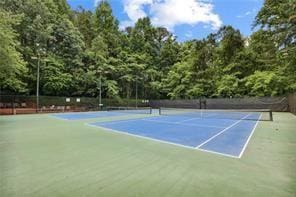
(193,103)
(19,104)
(278,104)
(292,103)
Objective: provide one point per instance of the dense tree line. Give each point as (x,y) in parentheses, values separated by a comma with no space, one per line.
(80,48)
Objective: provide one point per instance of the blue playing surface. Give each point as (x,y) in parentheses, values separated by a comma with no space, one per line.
(223,136)
(86,115)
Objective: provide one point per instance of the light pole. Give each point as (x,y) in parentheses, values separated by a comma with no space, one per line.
(137,78)
(100,90)
(136,91)
(37,85)
(100,87)
(38,75)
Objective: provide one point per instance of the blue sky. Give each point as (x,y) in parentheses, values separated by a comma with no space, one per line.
(187,19)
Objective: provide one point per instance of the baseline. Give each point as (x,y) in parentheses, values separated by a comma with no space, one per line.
(157,140)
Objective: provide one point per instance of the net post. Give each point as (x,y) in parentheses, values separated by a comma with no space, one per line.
(270,115)
(159,111)
(150,110)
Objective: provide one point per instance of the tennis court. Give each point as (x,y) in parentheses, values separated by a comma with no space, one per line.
(222,132)
(45,156)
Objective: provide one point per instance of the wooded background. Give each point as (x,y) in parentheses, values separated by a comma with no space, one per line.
(77,47)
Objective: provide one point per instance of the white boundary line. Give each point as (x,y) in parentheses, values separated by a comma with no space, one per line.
(250,136)
(69,119)
(214,136)
(184,146)
(161,141)
(210,151)
(138,136)
(119,121)
(81,112)
(178,123)
(58,118)
(56,115)
(188,120)
(157,121)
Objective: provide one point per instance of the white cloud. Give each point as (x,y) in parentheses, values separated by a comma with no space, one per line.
(135,8)
(169,13)
(175,12)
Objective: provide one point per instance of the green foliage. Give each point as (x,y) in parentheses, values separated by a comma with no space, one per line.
(265,83)
(228,86)
(82,19)
(112,89)
(279,18)
(231,42)
(12,66)
(105,22)
(66,42)
(106,26)
(79,50)
(264,48)
(178,80)
(54,78)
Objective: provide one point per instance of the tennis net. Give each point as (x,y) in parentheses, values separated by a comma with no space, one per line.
(250,114)
(132,110)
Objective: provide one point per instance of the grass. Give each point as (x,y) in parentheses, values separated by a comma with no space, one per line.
(43,156)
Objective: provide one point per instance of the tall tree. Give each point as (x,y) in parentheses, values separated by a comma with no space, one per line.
(279,18)
(230,42)
(12,66)
(83,21)
(106,25)
(79,49)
